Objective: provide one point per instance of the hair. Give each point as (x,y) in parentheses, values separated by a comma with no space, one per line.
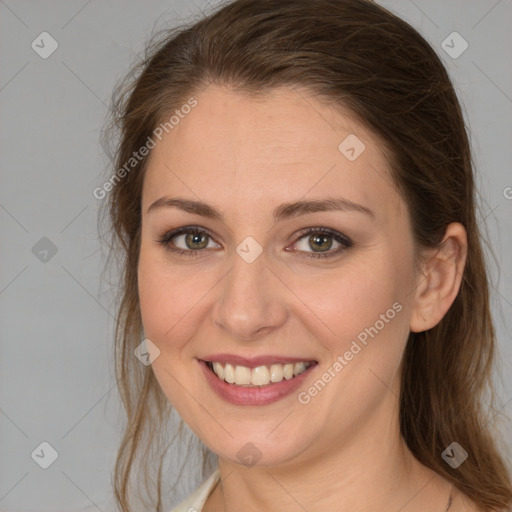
(356,55)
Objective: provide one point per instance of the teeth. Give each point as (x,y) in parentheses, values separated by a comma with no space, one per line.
(242,375)
(219,370)
(298,368)
(288,371)
(229,374)
(276,373)
(259,376)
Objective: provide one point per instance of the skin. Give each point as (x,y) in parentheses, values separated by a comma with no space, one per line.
(342,451)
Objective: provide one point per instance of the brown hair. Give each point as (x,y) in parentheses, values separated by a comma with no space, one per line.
(355,54)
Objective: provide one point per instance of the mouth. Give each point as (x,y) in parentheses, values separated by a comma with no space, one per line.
(258,376)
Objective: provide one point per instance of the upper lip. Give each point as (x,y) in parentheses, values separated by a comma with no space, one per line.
(253,362)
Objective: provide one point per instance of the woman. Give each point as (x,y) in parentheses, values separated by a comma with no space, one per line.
(295,205)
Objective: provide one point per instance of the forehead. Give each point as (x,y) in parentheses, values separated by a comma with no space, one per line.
(280,146)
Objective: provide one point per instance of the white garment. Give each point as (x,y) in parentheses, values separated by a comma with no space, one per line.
(194,502)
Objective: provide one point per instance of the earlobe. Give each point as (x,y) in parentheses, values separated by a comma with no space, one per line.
(440,282)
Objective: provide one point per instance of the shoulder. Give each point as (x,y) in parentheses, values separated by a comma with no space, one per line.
(195,501)
(462,503)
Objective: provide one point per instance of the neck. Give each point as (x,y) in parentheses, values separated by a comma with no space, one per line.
(370,469)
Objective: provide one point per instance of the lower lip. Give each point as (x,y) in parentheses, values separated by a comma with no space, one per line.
(244,395)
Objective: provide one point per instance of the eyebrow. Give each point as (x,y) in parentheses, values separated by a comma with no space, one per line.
(282,212)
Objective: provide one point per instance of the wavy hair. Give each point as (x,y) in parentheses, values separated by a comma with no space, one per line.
(358,55)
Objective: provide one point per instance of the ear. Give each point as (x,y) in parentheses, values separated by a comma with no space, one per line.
(438,284)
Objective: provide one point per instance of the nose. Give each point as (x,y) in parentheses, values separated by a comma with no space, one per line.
(252,302)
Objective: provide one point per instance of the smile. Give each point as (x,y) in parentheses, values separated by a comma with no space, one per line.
(258,376)
(256,385)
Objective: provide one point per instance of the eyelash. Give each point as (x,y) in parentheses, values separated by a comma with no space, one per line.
(166,238)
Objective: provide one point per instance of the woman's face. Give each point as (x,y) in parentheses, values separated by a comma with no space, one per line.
(253,284)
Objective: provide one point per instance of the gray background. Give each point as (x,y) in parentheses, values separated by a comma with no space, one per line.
(56,316)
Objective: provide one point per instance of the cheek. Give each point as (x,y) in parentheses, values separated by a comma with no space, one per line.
(353,298)
(149,293)
(158,295)
(367,312)
(366,309)
(165,305)
(170,299)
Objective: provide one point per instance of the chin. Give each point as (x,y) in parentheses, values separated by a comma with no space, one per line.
(257,450)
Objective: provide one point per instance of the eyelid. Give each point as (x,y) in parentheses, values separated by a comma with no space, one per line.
(166,237)
(342,239)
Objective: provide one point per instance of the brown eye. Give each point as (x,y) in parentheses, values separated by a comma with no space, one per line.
(188,241)
(196,240)
(321,240)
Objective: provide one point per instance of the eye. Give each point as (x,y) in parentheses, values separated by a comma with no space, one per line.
(193,240)
(322,239)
